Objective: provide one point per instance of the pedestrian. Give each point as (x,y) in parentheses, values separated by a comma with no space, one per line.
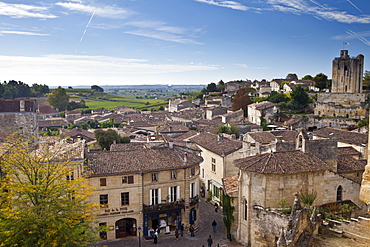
(177,234)
(155,237)
(191,229)
(210,241)
(214,224)
(216,207)
(182,229)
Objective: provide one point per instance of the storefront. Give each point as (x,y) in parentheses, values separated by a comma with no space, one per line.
(164,220)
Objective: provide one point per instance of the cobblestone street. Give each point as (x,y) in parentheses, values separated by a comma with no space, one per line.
(207,215)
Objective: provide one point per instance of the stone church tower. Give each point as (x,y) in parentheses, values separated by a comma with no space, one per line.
(347,73)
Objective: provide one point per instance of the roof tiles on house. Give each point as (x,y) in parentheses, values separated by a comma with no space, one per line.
(342,135)
(140,160)
(262,137)
(347,163)
(217,144)
(231,184)
(288,162)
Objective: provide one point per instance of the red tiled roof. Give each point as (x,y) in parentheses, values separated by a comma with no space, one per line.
(231,184)
(347,163)
(342,135)
(45,109)
(140,160)
(211,142)
(262,137)
(288,162)
(348,151)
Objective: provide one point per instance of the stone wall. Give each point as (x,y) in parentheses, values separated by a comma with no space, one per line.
(352,105)
(357,228)
(22,122)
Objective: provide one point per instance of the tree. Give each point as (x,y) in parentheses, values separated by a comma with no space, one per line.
(276,97)
(211,87)
(43,201)
(300,98)
(97,88)
(366,80)
(307,77)
(220,86)
(108,137)
(59,99)
(228,217)
(321,81)
(241,100)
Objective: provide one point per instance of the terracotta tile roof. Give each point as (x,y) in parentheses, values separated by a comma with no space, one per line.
(45,109)
(77,132)
(140,160)
(212,143)
(287,135)
(52,122)
(13,105)
(127,147)
(342,135)
(262,105)
(262,137)
(288,162)
(347,163)
(173,127)
(348,151)
(231,184)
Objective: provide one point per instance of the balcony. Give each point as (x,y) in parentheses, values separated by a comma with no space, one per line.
(179,204)
(194,200)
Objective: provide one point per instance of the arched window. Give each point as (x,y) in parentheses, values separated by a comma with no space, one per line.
(339,193)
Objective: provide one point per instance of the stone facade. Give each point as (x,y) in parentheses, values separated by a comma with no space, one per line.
(347,73)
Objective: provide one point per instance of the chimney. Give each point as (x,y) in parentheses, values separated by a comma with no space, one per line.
(22,105)
(170,144)
(186,157)
(219,137)
(233,136)
(258,148)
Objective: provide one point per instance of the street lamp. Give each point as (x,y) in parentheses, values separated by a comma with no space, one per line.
(139,230)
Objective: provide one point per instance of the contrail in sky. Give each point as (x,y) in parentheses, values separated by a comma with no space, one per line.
(87,26)
(355,6)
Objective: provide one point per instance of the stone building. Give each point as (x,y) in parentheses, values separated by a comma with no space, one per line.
(347,73)
(137,185)
(264,109)
(178,104)
(218,154)
(19,115)
(265,179)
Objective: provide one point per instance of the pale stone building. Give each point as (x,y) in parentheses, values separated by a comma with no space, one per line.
(264,109)
(137,185)
(178,104)
(218,154)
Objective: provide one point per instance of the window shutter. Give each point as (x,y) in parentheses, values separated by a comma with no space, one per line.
(150,197)
(177,192)
(169,194)
(159,196)
(196,187)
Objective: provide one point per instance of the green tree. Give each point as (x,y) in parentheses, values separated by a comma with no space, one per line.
(299,99)
(108,137)
(97,88)
(276,97)
(228,217)
(220,86)
(307,77)
(241,100)
(211,87)
(321,81)
(43,201)
(59,99)
(366,80)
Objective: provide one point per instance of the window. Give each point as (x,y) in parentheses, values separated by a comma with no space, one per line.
(103,182)
(70,177)
(213,164)
(202,172)
(104,201)
(192,171)
(340,193)
(154,177)
(103,234)
(245,210)
(216,192)
(173,174)
(193,190)
(128,179)
(173,193)
(155,196)
(125,199)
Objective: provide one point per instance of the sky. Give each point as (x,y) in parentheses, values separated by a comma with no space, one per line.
(128,42)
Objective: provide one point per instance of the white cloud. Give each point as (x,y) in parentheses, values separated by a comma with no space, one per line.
(163,36)
(90,69)
(102,11)
(24,11)
(22,33)
(227,4)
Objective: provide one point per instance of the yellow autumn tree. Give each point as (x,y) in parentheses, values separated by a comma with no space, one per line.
(43,197)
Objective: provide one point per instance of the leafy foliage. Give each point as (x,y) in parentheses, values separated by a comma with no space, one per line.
(232,129)
(307,198)
(300,98)
(228,216)
(276,97)
(97,88)
(42,201)
(108,137)
(59,99)
(321,81)
(241,100)
(14,89)
(366,80)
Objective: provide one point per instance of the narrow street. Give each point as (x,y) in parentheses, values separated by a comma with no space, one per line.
(207,215)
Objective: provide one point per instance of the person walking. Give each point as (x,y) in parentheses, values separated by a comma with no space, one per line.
(177,234)
(216,207)
(155,237)
(210,241)
(182,229)
(214,224)
(191,229)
